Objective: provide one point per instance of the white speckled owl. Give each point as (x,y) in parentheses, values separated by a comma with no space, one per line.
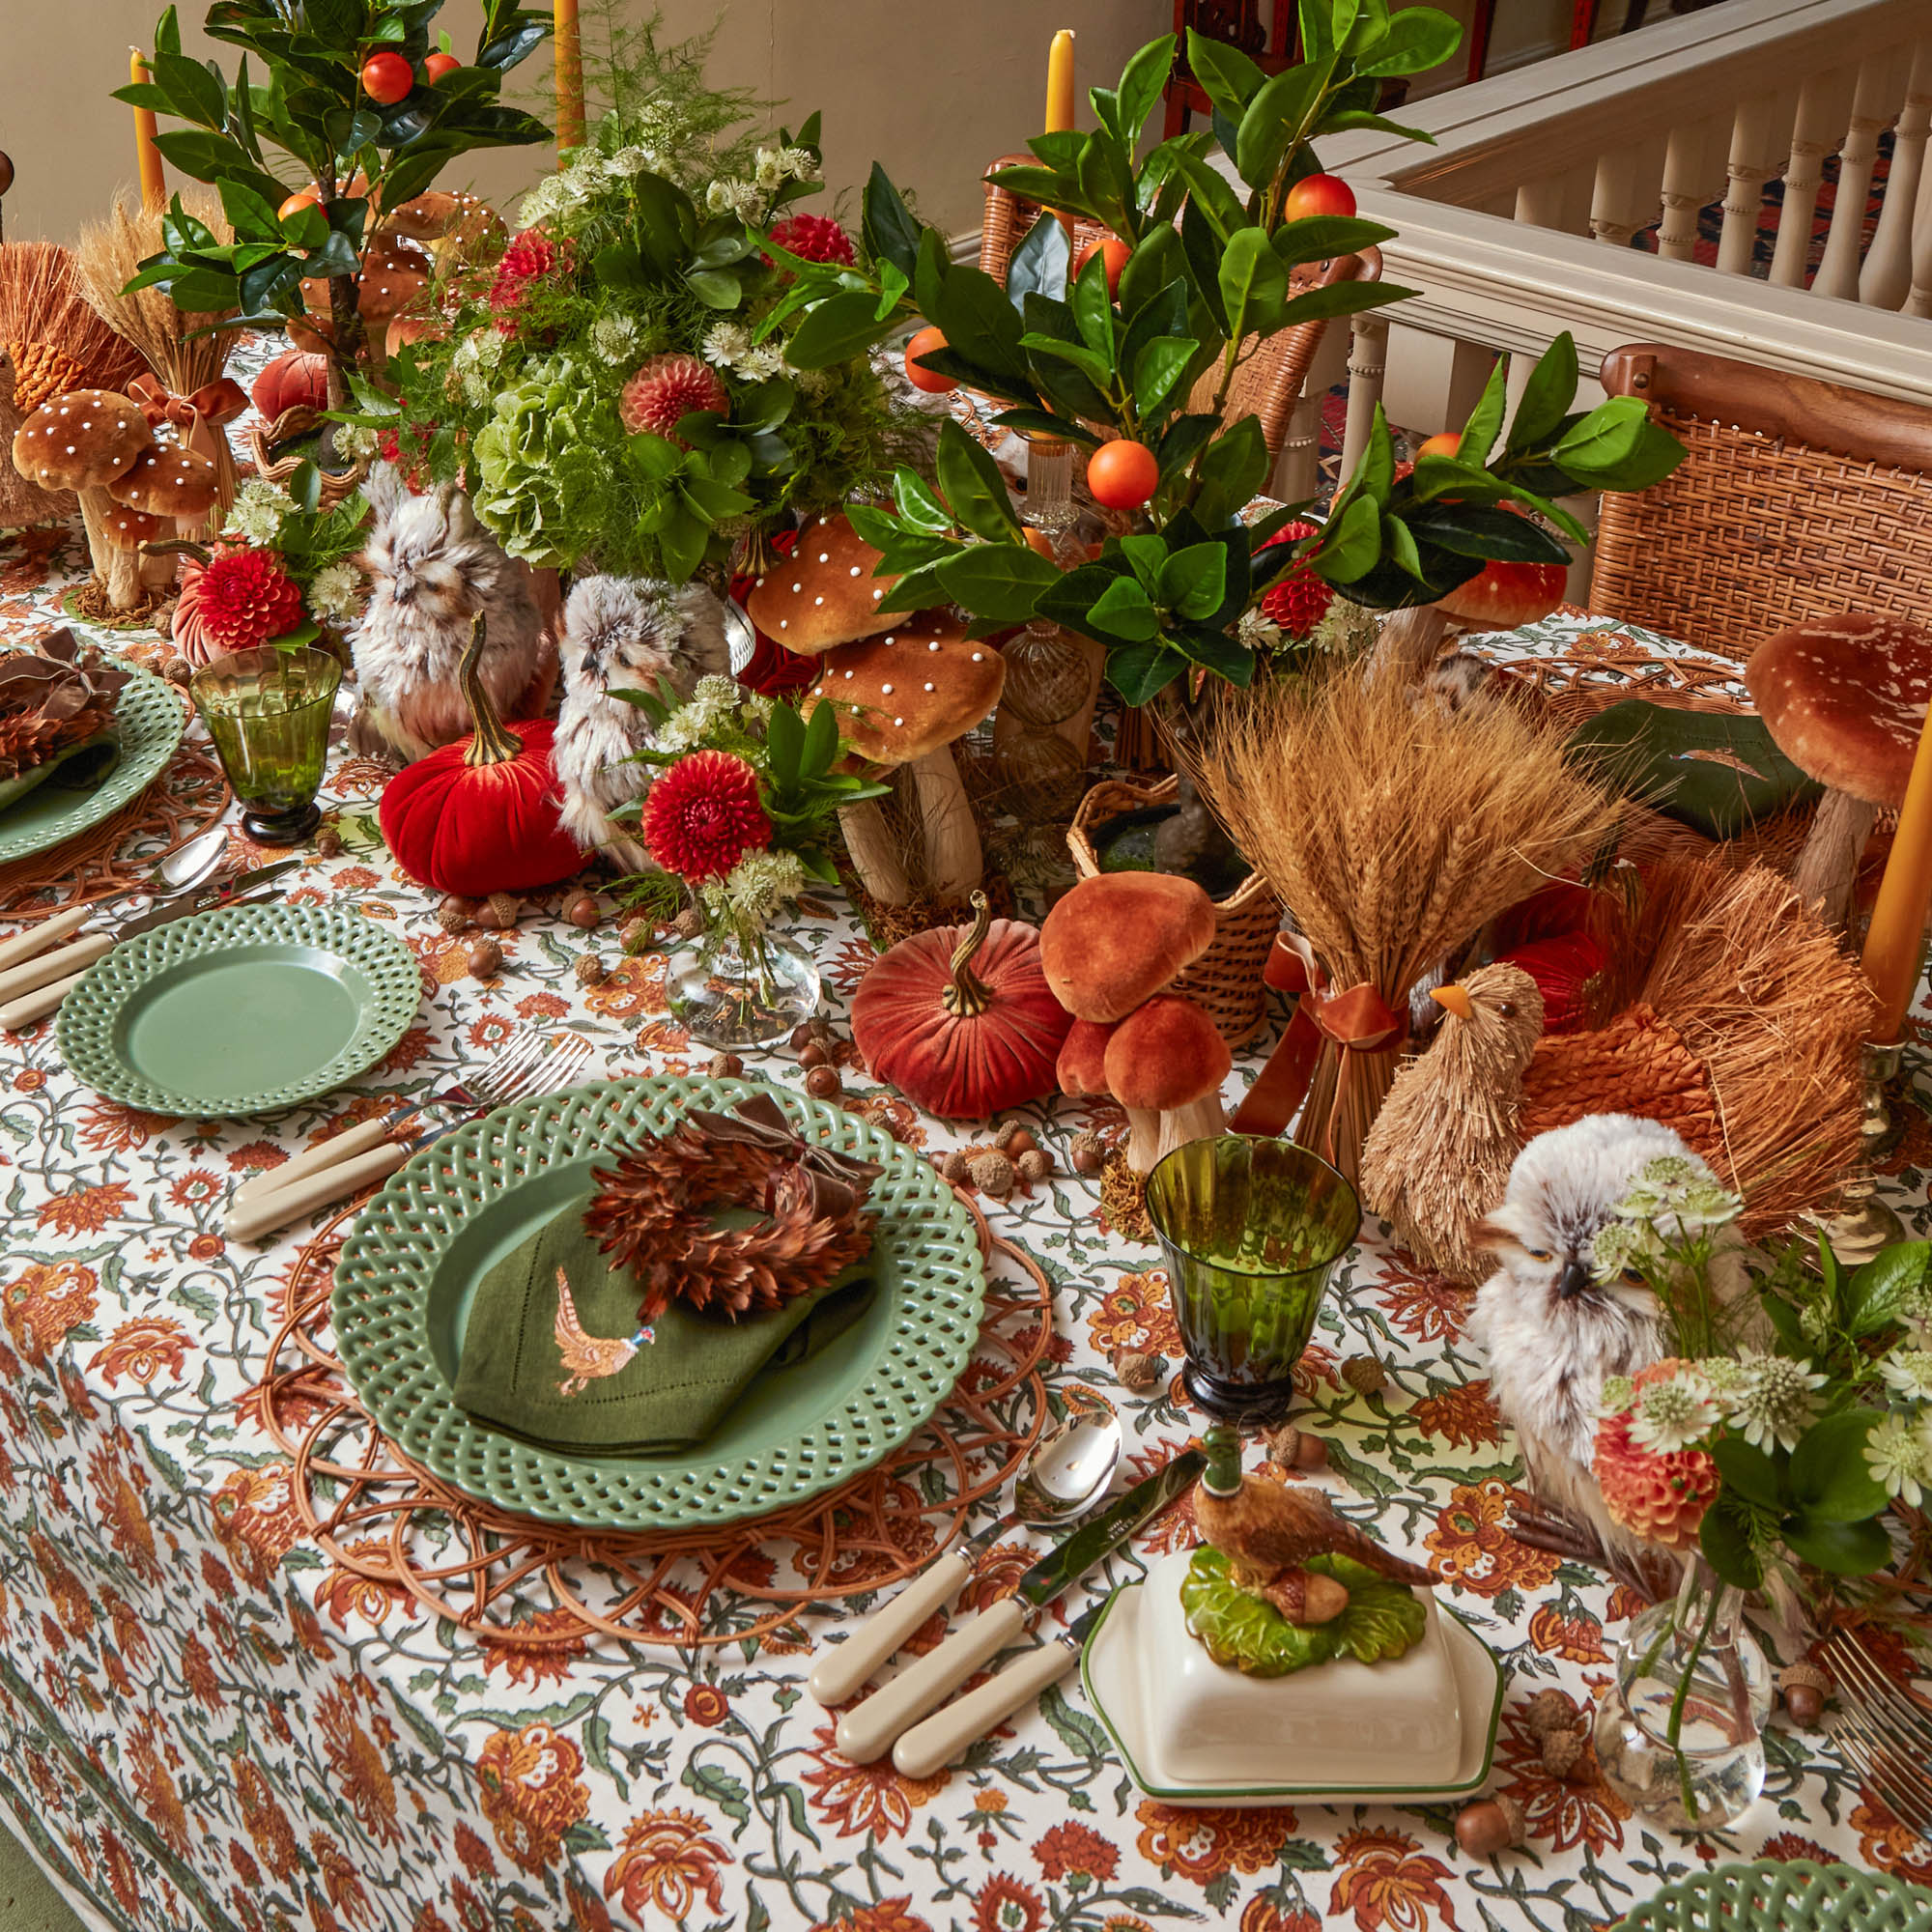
(623,634)
(432,566)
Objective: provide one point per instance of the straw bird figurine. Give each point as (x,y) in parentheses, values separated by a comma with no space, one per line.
(1269,1531)
(589,1358)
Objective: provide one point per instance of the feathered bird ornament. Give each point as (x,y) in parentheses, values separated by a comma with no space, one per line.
(1269,1531)
(589,1358)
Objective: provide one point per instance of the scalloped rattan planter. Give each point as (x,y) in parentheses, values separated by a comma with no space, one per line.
(1226,980)
(336,485)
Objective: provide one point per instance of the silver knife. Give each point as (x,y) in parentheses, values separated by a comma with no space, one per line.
(869,1730)
(936,1741)
(209,899)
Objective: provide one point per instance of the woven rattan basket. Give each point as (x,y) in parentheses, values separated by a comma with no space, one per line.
(1226,980)
(336,485)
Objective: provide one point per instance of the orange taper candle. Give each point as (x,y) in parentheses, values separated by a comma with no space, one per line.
(1060,83)
(1896,941)
(569,78)
(147,156)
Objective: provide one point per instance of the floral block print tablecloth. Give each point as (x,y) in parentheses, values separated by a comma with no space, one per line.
(203,1722)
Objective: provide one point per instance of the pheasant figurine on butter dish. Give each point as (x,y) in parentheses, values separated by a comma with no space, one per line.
(1286,1583)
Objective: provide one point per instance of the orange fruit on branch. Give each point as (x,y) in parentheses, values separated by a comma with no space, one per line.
(1121,475)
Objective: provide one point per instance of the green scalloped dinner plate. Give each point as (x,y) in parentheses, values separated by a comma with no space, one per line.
(242,1010)
(1784,1895)
(152,721)
(411,1263)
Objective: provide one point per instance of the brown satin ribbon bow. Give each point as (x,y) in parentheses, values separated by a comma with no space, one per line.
(220,401)
(836,1182)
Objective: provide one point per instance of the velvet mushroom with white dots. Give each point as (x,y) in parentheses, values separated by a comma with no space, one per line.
(903,698)
(84,441)
(171,481)
(824,593)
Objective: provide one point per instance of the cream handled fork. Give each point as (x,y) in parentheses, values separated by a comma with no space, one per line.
(351,1160)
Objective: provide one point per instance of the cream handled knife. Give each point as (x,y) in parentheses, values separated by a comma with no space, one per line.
(936,1741)
(869,1730)
(845,1666)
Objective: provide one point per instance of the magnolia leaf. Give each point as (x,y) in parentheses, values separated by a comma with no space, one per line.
(1546,397)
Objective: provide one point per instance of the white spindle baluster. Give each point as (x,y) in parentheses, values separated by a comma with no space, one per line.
(1813,136)
(1614,216)
(1887,276)
(1368,361)
(1879,85)
(1919,300)
(1746,170)
(1539,203)
(1686,185)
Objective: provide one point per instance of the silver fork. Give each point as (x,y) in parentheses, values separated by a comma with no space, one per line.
(1885,1731)
(529,1064)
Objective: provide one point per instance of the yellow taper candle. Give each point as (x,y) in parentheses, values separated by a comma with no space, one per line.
(147,156)
(569,78)
(1060,83)
(1896,940)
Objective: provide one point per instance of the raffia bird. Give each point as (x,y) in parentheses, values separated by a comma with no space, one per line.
(589,1358)
(1724,1010)
(1268,1531)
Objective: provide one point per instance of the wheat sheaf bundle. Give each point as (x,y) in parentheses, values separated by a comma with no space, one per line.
(1393,831)
(107,255)
(1773,1009)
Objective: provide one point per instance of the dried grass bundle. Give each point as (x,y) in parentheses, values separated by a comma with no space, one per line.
(1775,1011)
(1393,831)
(106,258)
(52,339)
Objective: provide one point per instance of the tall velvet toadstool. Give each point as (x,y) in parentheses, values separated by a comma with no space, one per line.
(84,441)
(1165,1064)
(1844,697)
(173,482)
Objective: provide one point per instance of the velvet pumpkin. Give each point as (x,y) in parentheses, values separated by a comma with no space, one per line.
(960,1019)
(297,378)
(480,816)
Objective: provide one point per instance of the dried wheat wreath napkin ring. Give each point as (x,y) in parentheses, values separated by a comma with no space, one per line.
(654,1213)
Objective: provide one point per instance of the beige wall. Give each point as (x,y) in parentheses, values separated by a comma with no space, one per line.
(932,88)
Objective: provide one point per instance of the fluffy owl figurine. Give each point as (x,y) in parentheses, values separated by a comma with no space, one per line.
(624,634)
(1553,1332)
(432,567)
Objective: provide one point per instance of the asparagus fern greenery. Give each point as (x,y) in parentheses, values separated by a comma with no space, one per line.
(308,112)
(1206,282)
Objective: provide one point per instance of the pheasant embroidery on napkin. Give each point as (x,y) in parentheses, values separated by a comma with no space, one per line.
(589,1358)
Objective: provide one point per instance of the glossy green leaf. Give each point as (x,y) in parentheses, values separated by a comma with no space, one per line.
(1878,1293)
(1351,543)
(1414,41)
(1253,283)
(1605,437)
(1829,1474)
(1475,530)
(918,506)
(1236,463)
(1001,580)
(1724,1538)
(839,328)
(1320,237)
(1157,264)
(1157,372)
(970,481)
(1842,1548)
(1141,671)
(1039,263)
(1485,420)
(1546,397)
(1213,198)
(887,227)
(1274,119)
(1228,77)
(1192,579)
(1125,610)
(1142,81)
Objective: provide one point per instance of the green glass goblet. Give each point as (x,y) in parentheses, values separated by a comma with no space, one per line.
(269,712)
(1251,1229)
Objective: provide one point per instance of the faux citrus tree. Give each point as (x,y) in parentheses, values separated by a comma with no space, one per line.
(1108,354)
(352,100)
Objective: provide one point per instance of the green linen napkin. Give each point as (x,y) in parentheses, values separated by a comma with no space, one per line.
(591,1385)
(79,768)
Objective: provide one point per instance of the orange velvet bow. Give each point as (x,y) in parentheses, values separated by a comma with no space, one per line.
(218,402)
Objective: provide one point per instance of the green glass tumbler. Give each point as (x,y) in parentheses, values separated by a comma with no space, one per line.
(268,713)
(1251,1229)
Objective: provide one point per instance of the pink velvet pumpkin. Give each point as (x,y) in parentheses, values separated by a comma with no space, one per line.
(960,1019)
(480,816)
(297,377)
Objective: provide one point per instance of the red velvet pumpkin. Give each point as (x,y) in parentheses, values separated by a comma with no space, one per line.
(960,1019)
(480,816)
(295,377)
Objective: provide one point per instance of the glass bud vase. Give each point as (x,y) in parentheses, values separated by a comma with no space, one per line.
(1689,1667)
(744,989)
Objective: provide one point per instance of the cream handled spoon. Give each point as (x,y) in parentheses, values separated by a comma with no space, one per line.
(1067,1471)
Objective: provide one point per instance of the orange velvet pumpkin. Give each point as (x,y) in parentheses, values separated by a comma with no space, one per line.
(480,816)
(295,376)
(960,1019)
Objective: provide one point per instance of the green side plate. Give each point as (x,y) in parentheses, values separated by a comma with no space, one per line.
(237,1011)
(411,1263)
(150,721)
(1784,1895)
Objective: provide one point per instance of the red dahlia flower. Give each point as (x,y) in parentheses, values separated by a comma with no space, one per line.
(245,598)
(529,257)
(1297,599)
(703,815)
(814,237)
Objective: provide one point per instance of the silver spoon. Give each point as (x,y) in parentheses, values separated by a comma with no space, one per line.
(1065,1474)
(181,871)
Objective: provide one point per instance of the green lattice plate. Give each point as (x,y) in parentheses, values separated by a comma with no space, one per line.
(1791,1895)
(151,720)
(410,1266)
(240,1012)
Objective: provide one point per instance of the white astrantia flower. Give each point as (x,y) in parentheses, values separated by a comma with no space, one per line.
(755,708)
(1777,1402)
(550,198)
(614,337)
(355,440)
(712,701)
(336,590)
(1619,1392)
(1258,632)
(757,890)
(1726,1377)
(742,198)
(726,344)
(1909,1371)
(768,167)
(762,359)
(257,512)
(1674,1413)
(631,160)
(1618,1247)
(1898,1453)
(799,163)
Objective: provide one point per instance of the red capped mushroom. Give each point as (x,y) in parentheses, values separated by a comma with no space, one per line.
(1081,1067)
(1165,1064)
(1118,938)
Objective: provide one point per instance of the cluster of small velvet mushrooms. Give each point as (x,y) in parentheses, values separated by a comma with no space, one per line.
(133,489)
(905,687)
(1112,950)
